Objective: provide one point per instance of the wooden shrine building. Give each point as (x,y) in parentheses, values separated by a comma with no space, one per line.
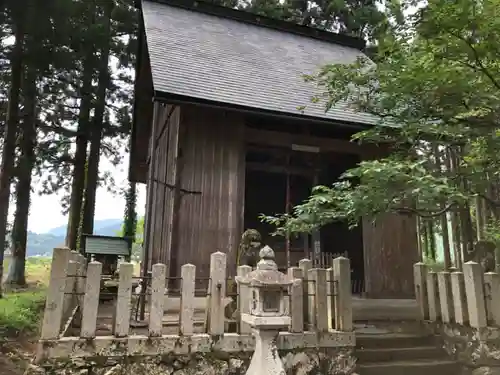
(219,139)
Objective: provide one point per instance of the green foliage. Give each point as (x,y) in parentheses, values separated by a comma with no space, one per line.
(366,19)
(130,220)
(138,237)
(20,313)
(435,91)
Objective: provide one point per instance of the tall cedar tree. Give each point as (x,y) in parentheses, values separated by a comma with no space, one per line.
(18,18)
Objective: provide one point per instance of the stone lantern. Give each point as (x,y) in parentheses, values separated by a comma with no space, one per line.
(268,312)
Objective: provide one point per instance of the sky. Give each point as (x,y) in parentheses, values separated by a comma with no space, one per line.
(46,212)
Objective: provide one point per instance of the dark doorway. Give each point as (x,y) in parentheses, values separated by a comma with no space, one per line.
(276,176)
(338,238)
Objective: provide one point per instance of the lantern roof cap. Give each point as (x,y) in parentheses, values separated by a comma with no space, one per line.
(266,274)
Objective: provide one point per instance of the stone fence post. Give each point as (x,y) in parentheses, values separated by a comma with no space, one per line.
(343,295)
(217,293)
(54,305)
(420,276)
(474,290)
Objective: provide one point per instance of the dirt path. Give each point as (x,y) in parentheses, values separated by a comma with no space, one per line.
(16,356)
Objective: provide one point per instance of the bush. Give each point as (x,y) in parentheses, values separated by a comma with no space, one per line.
(21,312)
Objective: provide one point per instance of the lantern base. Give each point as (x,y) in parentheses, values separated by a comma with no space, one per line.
(265,359)
(275,323)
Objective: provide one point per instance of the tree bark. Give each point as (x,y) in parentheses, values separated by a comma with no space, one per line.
(16,274)
(454,216)
(8,155)
(91,180)
(444,217)
(80,159)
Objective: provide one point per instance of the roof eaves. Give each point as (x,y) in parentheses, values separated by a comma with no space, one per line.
(170,98)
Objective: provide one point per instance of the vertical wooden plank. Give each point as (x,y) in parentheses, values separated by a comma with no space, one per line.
(158,276)
(433,297)
(474,291)
(459,298)
(330,281)
(492,284)
(390,240)
(318,276)
(296,300)
(217,293)
(91,300)
(342,278)
(305,265)
(420,274)
(53,314)
(244,298)
(445,297)
(188,276)
(122,314)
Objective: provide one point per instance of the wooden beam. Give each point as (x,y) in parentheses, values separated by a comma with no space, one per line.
(280,169)
(281,139)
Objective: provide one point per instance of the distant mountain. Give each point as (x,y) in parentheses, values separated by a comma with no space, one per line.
(43,243)
(106,227)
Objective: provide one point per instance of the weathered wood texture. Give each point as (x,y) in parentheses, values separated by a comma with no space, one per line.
(162,183)
(390,250)
(197,186)
(143,111)
(213,164)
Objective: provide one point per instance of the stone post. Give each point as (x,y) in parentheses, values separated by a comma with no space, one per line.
(474,291)
(52,318)
(420,275)
(268,313)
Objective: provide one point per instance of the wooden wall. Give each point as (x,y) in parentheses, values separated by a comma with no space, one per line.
(213,164)
(202,151)
(390,251)
(165,144)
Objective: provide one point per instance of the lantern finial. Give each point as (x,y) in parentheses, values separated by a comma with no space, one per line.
(267,262)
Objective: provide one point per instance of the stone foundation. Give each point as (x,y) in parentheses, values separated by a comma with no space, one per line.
(338,361)
(477,350)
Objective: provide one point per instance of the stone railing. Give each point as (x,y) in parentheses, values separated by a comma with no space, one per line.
(64,298)
(463,308)
(471,297)
(319,301)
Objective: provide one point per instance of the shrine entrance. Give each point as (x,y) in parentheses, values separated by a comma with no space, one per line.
(279,178)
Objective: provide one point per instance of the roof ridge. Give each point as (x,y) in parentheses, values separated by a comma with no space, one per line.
(202,6)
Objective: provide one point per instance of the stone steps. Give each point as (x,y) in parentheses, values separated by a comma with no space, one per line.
(402,354)
(420,367)
(399,354)
(392,340)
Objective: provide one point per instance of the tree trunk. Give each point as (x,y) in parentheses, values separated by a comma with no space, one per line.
(481,218)
(16,273)
(454,216)
(9,146)
(444,217)
(80,159)
(432,240)
(92,177)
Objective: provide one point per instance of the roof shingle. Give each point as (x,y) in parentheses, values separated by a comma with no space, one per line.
(207,57)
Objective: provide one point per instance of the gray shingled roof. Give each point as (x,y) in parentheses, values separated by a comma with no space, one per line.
(208,57)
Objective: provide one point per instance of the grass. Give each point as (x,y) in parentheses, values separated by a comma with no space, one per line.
(21,309)
(37,270)
(20,313)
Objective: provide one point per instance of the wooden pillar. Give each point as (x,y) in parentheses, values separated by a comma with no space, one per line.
(390,251)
